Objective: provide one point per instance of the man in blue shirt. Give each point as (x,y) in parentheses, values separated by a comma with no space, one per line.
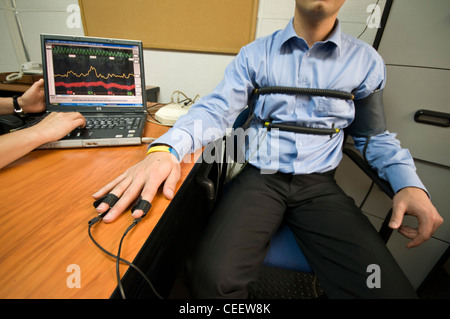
(290,177)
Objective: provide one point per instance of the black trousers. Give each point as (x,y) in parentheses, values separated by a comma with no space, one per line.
(337,239)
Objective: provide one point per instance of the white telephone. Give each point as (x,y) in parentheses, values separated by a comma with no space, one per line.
(30,68)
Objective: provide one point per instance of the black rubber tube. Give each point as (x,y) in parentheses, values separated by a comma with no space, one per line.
(301,129)
(305,91)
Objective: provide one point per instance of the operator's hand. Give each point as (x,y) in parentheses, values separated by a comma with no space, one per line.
(56,125)
(142,179)
(415,202)
(33,100)
(16,144)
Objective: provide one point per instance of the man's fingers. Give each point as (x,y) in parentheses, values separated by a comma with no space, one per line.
(171,182)
(142,180)
(109,199)
(148,193)
(408,232)
(396,218)
(127,191)
(108,187)
(142,205)
(426,227)
(130,189)
(417,238)
(117,188)
(141,208)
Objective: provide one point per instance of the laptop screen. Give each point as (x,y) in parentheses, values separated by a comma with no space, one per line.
(93,72)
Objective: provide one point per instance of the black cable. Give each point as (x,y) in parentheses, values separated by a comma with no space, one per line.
(367,195)
(370,16)
(119,281)
(366,144)
(92,222)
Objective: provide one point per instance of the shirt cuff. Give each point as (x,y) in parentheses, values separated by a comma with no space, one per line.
(401,176)
(179,140)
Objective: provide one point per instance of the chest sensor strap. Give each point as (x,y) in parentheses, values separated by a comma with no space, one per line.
(369,116)
(303,91)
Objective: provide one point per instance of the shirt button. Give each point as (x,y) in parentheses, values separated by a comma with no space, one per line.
(308,53)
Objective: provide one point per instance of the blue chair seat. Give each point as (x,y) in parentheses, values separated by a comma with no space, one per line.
(285,253)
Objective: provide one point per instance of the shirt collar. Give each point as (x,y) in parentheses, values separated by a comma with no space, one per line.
(289,33)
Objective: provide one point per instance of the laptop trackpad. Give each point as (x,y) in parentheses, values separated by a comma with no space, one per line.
(77,134)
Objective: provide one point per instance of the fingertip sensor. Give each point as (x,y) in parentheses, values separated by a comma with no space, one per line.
(109,199)
(142,205)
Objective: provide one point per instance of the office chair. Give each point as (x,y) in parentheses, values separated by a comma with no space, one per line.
(284,252)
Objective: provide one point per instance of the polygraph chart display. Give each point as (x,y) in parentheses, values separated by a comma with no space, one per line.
(93,71)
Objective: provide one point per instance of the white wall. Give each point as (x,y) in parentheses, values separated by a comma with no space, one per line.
(191,73)
(195,73)
(11,47)
(35,17)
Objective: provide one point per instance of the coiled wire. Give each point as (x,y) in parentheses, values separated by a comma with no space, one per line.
(307,91)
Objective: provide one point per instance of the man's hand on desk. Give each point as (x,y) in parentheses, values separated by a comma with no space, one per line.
(142,179)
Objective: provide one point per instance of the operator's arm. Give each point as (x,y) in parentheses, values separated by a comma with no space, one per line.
(32,101)
(55,126)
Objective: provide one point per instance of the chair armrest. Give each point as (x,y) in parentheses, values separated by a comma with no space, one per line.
(369,171)
(385,231)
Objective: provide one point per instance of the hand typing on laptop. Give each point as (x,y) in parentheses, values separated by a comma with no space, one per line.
(56,125)
(53,127)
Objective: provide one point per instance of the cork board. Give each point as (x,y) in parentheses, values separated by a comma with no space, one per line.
(216,26)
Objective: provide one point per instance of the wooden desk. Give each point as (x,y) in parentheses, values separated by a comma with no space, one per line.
(45,205)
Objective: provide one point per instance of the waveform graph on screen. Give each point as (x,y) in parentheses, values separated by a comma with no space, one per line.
(93,71)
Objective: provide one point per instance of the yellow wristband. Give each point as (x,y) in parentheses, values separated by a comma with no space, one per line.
(162,148)
(158,148)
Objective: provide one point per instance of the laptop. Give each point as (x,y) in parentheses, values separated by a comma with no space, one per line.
(101,78)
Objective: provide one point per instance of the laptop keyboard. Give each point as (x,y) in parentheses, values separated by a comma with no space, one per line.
(125,123)
(118,123)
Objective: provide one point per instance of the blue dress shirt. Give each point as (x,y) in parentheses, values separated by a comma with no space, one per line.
(285,59)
